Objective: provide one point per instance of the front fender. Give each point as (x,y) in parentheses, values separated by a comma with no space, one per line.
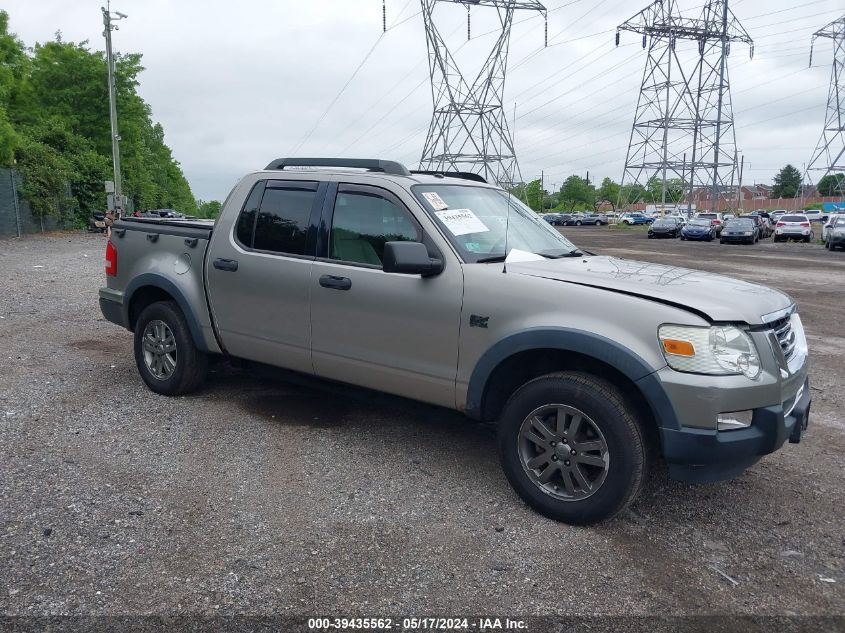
(595,346)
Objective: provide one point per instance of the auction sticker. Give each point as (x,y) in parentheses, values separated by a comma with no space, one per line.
(461,221)
(435,201)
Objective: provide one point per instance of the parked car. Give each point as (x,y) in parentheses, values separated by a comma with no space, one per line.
(575,219)
(699,229)
(760,224)
(836,233)
(766,226)
(774,216)
(632,219)
(716,220)
(552,218)
(793,227)
(597,219)
(831,220)
(681,220)
(740,231)
(402,283)
(814,215)
(664,227)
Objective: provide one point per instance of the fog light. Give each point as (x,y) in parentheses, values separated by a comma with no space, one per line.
(734,420)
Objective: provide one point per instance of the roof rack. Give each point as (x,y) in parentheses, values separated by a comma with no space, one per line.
(370,164)
(466,175)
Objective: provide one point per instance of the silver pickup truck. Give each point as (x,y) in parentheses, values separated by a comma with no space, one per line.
(448,290)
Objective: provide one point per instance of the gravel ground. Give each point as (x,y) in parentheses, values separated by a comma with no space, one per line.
(261,497)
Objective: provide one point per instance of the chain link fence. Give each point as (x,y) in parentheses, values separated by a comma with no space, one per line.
(16,216)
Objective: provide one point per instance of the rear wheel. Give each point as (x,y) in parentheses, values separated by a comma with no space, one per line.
(165,353)
(598,222)
(571,448)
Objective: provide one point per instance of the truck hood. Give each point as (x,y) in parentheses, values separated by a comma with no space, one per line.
(718,297)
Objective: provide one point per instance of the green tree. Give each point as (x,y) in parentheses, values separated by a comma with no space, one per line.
(210,209)
(674,190)
(832,185)
(609,192)
(54,116)
(633,193)
(534,194)
(787,183)
(577,194)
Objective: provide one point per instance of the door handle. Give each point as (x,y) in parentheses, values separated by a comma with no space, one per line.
(226,264)
(337,283)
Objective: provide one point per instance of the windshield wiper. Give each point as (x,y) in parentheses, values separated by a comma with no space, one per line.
(575,253)
(492,258)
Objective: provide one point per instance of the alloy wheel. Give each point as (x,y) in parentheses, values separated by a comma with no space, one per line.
(563,452)
(159,349)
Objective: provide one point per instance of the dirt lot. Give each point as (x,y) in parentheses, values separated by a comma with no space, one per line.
(261,497)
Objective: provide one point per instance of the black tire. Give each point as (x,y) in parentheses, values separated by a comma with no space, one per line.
(721,241)
(578,223)
(598,222)
(190,365)
(605,409)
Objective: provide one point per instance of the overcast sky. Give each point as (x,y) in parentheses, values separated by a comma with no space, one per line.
(236,84)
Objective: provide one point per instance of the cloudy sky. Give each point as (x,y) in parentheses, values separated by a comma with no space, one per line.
(236,84)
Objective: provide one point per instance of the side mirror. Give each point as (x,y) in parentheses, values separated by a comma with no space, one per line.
(410,258)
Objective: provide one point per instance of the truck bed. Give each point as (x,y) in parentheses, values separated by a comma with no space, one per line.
(201,229)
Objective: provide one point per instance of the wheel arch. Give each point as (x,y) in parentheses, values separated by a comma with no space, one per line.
(149,288)
(518,358)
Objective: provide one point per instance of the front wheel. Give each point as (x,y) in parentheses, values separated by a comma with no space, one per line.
(165,353)
(571,448)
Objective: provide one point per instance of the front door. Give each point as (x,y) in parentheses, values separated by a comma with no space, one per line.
(259,274)
(392,332)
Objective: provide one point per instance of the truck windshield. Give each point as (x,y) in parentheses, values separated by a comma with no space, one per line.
(476,219)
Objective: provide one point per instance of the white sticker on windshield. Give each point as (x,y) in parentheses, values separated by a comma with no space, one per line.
(461,221)
(435,201)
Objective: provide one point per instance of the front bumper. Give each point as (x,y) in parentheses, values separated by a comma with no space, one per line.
(737,238)
(836,240)
(696,236)
(779,400)
(704,455)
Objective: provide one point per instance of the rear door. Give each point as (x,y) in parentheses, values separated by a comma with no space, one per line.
(392,332)
(259,273)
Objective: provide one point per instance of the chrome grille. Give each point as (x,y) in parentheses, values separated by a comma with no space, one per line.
(785,336)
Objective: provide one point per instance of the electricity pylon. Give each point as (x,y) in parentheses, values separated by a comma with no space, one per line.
(829,155)
(469,128)
(683,132)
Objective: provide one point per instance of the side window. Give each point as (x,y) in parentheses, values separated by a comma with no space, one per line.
(282,222)
(363,222)
(246,220)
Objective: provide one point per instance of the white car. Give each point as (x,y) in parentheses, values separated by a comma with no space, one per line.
(793,226)
(814,215)
(681,220)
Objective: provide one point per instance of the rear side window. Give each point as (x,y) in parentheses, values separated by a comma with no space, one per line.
(276,216)
(282,222)
(246,221)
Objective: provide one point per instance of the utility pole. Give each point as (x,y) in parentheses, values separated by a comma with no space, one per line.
(542,190)
(108,19)
(739,184)
(829,156)
(684,106)
(469,128)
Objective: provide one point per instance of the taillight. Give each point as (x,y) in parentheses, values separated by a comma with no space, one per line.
(781,224)
(806,225)
(111,259)
(717,221)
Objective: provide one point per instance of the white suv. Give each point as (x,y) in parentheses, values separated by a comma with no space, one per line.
(793,226)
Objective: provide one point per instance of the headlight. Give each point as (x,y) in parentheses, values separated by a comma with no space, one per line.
(720,350)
